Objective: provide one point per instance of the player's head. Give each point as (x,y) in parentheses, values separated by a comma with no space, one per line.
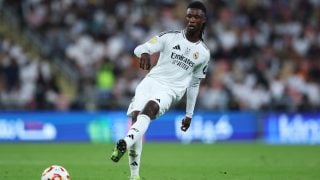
(196,17)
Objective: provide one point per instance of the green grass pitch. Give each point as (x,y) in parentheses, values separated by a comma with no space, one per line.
(164,161)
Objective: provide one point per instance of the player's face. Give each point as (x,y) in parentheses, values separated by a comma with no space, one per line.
(195,18)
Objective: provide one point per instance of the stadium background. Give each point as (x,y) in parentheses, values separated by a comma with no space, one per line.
(67,72)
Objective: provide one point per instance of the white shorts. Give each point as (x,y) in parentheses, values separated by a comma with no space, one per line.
(150,89)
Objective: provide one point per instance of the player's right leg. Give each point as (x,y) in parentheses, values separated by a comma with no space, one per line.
(136,131)
(119,150)
(137,104)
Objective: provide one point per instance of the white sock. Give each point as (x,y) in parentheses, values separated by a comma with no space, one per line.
(137,130)
(134,157)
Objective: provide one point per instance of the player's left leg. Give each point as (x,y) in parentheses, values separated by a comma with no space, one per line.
(134,157)
(134,154)
(135,178)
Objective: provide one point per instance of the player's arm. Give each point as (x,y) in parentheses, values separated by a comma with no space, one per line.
(144,51)
(192,94)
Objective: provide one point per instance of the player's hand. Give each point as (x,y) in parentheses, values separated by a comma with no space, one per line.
(185,124)
(145,61)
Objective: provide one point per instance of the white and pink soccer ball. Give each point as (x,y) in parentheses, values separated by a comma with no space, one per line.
(55,172)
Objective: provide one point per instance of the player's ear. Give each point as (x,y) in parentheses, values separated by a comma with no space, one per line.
(205,17)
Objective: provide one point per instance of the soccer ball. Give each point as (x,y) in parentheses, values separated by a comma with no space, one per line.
(55,172)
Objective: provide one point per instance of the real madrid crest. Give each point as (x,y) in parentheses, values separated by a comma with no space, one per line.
(195,55)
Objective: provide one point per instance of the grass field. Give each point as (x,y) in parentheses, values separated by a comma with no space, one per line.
(164,161)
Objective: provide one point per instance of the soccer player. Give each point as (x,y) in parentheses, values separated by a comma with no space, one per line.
(182,63)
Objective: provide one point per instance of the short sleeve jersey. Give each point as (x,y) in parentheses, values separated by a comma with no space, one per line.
(180,60)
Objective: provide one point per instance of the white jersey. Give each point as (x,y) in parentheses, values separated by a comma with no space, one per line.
(180,60)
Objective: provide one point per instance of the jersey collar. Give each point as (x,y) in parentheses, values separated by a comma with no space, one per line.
(184,35)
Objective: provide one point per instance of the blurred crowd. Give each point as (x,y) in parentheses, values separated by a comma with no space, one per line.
(26,81)
(265,54)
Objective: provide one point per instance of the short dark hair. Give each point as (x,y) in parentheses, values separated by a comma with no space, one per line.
(198,5)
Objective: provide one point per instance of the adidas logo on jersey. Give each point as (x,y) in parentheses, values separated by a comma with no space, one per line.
(177,47)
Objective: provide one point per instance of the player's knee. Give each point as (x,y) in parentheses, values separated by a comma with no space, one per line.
(134,116)
(151,109)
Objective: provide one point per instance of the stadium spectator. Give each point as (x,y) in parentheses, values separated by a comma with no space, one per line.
(26,83)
